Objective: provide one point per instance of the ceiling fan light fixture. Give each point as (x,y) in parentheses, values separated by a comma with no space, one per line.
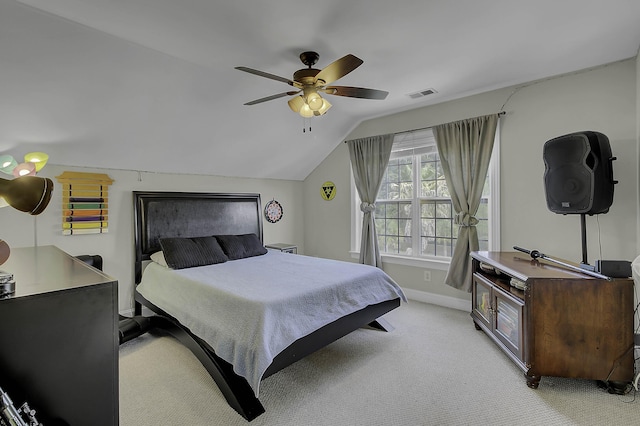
(296,103)
(306,112)
(313,99)
(325,107)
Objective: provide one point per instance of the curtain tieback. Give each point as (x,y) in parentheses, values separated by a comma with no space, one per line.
(465,219)
(367,207)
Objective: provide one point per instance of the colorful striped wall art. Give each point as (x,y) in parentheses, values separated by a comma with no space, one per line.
(85,202)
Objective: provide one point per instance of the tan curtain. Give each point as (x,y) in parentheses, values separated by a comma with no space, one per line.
(465,150)
(369,160)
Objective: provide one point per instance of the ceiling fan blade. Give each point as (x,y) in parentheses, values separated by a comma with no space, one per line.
(272,97)
(355,92)
(339,69)
(265,74)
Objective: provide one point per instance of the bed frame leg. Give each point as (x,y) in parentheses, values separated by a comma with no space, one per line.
(235,389)
(381,324)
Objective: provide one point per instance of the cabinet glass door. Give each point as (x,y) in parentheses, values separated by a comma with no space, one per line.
(482,300)
(508,325)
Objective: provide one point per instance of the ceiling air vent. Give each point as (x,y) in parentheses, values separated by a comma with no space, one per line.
(422,93)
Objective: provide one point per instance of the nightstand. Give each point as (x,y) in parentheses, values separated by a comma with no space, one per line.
(283,247)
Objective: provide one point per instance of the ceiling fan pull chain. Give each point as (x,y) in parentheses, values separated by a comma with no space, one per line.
(304,125)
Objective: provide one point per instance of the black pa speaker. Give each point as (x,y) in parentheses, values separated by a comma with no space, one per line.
(578,175)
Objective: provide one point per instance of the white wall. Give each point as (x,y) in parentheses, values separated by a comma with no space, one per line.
(602,99)
(116,247)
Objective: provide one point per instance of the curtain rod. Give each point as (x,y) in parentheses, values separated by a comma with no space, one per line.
(500,114)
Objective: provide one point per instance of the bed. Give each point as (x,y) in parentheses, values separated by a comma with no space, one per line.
(252,315)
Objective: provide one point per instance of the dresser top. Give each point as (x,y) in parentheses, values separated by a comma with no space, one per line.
(45,269)
(523,267)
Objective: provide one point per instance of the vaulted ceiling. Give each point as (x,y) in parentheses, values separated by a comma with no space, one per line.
(150,85)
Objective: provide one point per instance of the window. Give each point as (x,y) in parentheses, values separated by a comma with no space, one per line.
(414,215)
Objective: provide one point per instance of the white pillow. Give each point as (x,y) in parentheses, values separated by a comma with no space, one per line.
(158,257)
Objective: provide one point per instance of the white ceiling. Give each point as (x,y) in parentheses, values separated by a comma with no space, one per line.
(150,84)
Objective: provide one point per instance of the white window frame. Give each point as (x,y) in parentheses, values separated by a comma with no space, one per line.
(439,263)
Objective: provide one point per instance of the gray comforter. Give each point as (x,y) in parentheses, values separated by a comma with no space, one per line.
(249,310)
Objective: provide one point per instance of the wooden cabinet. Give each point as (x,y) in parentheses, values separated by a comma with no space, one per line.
(552,321)
(59,338)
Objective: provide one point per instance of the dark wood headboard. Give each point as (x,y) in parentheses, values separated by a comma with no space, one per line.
(190,214)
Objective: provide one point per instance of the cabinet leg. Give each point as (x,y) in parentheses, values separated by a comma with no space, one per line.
(476,325)
(532,381)
(614,387)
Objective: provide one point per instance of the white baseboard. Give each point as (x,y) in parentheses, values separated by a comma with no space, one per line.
(127,312)
(130,312)
(438,299)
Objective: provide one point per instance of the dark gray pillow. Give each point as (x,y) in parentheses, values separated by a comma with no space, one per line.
(241,246)
(183,253)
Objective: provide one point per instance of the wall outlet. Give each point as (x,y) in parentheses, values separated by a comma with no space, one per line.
(427,275)
(636,339)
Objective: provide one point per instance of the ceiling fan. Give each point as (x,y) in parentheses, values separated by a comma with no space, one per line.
(310,81)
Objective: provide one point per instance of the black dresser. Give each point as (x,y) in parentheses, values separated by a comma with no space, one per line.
(59,338)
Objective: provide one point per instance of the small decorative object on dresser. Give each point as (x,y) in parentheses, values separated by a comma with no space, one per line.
(283,247)
(552,321)
(10,415)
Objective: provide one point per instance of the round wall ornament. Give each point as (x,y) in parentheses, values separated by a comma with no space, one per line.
(273,211)
(328,190)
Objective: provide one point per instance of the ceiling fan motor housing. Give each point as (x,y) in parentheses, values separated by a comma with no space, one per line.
(305,76)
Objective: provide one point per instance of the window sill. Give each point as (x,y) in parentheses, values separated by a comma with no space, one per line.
(442,265)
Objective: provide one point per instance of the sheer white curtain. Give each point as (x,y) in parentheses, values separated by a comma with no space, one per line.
(465,150)
(369,159)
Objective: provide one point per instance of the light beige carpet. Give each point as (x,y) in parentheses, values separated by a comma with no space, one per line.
(435,368)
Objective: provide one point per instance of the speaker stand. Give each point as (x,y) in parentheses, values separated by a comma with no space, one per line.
(583,230)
